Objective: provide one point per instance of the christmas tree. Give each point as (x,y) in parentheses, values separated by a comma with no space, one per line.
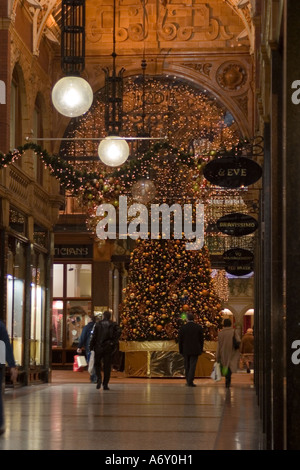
(165,282)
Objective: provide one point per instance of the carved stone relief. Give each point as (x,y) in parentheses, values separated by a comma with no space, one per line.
(163,20)
(203,68)
(229,79)
(231,76)
(242,101)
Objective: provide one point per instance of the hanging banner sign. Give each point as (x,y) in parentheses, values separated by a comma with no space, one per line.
(237,224)
(232,172)
(238,261)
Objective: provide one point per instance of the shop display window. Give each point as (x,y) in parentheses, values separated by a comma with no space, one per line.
(72,305)
(38,302)
(77,317)
(15,303)
(79,280)
(57,323)
(58,280)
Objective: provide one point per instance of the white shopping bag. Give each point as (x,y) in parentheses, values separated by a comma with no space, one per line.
(91,363)
(81,361)
(2,352)
(216,372)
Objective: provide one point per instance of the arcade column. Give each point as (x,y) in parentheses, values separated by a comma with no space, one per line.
(291,225)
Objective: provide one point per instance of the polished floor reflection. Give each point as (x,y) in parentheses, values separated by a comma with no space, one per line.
(135,414)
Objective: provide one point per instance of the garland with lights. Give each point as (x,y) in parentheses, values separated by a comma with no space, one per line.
(70,178)
(75,180)
(106,185)
(165,280)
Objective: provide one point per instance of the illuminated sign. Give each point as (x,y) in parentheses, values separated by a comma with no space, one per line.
(232,172)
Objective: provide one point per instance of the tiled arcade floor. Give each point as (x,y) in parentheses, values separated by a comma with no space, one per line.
(135,414)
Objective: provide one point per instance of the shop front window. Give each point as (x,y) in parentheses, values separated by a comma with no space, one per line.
(15,280)
(38,293)
(77,317)
(79,278)
(71,308)
(58,280)
(57,323)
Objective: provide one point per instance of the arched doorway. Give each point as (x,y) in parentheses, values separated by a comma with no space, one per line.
(248,320)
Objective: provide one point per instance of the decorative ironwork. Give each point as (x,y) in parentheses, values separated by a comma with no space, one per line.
(73,36)
(114,91)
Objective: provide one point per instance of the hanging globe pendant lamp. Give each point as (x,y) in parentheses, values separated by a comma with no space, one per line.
(113,151)
(72,96)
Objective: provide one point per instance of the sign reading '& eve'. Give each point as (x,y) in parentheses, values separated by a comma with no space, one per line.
(232,172)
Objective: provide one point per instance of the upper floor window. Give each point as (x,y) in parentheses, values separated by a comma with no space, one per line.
(15,115)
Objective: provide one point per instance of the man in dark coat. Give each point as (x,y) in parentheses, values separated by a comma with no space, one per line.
(104,342)
(190,346)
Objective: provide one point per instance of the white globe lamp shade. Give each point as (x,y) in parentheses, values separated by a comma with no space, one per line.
(72,96)
(113,151)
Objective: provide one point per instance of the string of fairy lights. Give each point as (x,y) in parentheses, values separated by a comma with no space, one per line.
(172,108)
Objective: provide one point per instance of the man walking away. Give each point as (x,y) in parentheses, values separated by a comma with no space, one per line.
(104,341)
(190,346)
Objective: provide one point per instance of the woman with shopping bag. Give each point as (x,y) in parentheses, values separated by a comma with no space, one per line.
(227,354)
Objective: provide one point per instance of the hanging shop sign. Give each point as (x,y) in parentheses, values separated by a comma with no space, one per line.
(232,172)
(238,255)
(238,261)
(237,224)
(239,270)
(73,251)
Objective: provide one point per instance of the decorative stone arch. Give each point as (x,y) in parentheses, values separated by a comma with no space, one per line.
(32,85)
(243,313)
(237,103)
(94,118)
(230,311)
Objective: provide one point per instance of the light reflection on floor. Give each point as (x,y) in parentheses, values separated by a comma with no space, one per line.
(134,414)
